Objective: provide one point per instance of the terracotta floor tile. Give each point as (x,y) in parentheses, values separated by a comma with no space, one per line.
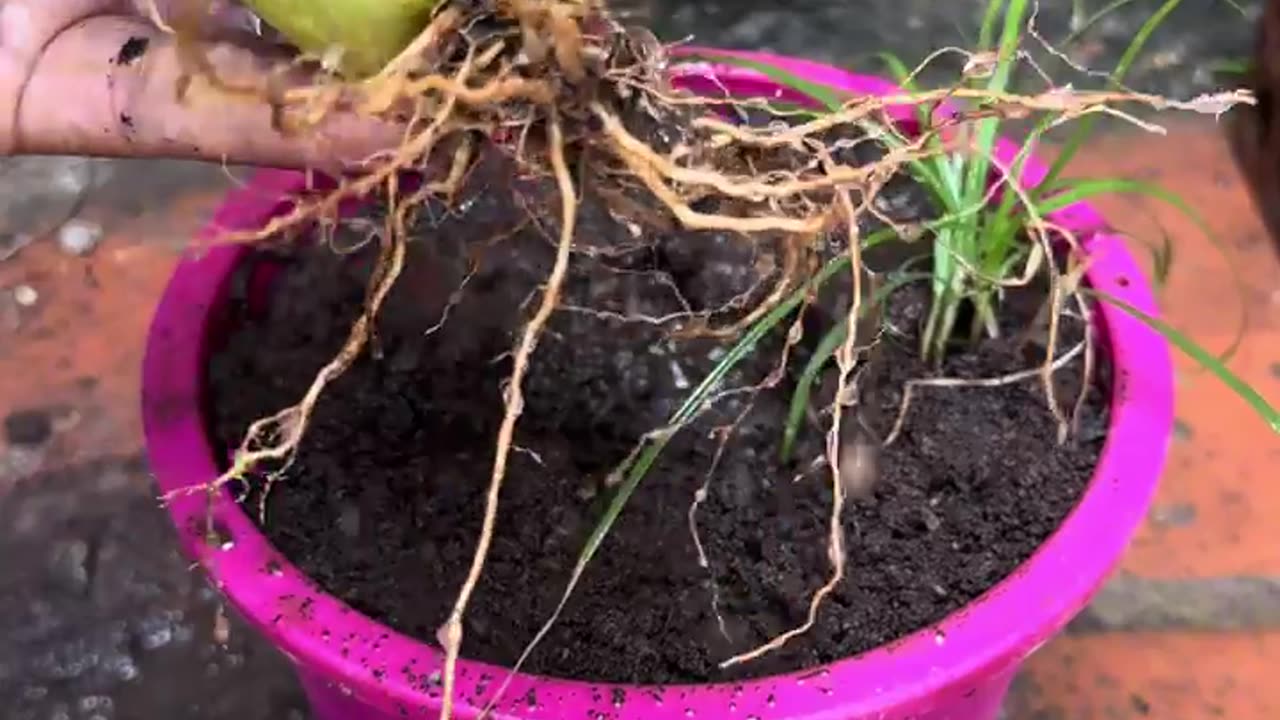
(76,352)
(1183,676)
(1218,499)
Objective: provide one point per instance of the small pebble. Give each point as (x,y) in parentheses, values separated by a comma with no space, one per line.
(68,566)
(25,295)
(79,237)
(931,521)
(28,428)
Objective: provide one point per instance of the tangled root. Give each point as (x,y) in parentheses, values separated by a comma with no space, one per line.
(555,84)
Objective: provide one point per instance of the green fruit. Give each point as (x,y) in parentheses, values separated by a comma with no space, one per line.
(370,33)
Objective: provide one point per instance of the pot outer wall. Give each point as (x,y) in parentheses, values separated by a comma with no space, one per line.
(355,669)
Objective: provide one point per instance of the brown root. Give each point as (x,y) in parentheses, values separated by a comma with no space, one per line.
(451,633)
(557,84)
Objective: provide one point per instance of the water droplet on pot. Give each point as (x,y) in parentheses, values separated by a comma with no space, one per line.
(688,712)
(940,637)
(79,237)
(25,295)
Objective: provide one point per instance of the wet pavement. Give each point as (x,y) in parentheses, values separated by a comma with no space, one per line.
(103,619)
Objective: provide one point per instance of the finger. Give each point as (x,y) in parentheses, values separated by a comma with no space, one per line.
(26,26)
(107,87)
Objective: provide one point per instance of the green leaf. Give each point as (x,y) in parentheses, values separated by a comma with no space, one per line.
(1205,358)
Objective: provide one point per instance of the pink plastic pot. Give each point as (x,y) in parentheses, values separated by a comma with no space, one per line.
(356,669)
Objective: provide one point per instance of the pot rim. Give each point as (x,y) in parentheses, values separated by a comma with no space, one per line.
(389,670)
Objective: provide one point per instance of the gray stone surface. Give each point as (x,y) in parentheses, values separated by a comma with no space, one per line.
(103,619)
(1225,604)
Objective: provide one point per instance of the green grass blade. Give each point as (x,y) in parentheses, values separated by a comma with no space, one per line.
(1076,190)
(1087,123)
(1205,358)
(822,354)
(1094,19)
(988,27)
(1003,225)
(1011,35)
(1238,8)
(902,75)
(897,69)
(977,166)
(827,96)
(1235,66)
(648,455)
(827,347)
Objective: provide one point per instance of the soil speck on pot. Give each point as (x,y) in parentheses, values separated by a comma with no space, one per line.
(132,49)
(1182,430)
(382,505)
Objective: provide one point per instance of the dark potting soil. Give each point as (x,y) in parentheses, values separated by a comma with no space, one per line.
(383,504)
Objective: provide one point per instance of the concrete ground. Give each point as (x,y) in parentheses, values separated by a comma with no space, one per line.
(103,619)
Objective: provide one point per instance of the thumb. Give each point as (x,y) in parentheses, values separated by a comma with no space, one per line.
(107,86)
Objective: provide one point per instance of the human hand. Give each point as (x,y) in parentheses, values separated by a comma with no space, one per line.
(100,78)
